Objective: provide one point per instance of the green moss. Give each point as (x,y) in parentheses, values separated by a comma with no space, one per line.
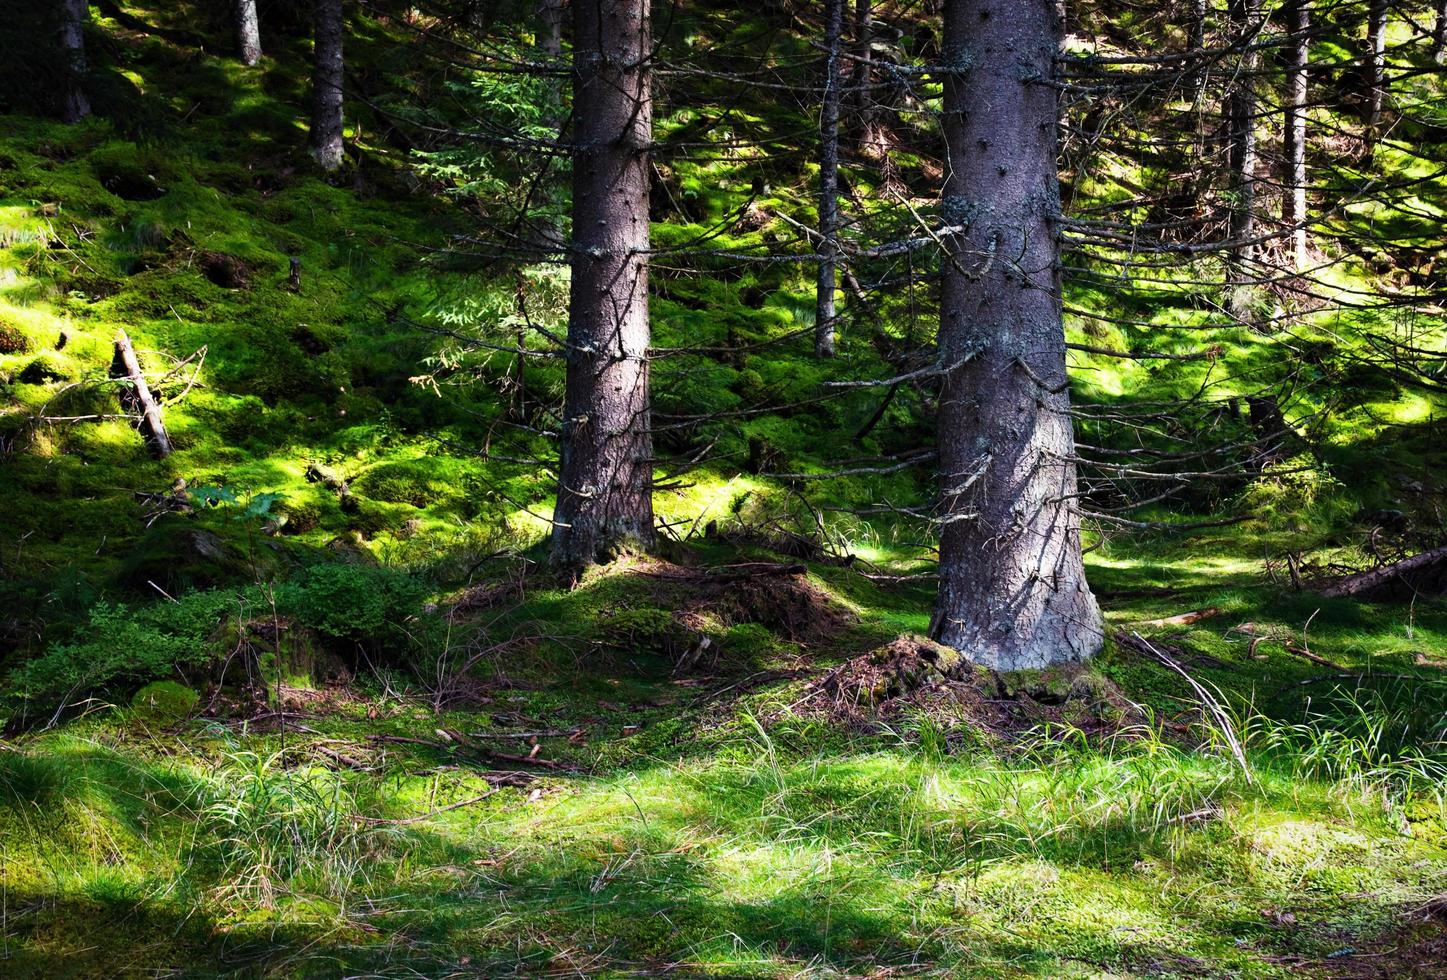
(162,704)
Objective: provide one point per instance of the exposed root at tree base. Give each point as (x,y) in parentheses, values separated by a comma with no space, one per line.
(912,674)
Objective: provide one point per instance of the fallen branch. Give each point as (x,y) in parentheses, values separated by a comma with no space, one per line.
(128,366)
(1184,619)
(403,821)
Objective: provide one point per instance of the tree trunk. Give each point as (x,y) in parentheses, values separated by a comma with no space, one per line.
(1012,583)
(1293,197)
(75,106)
(862,73)
(326,127)
(824,315)
(248,33)
(605,501)
(1377,63)
(551,13)
(1439,32)
(1241,131)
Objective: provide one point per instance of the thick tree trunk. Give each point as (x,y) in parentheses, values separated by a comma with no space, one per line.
(248,32)
(75,105)
(1012,583)
(825,288)
(326,126)
(605,501)
(1376,63)
(1293,196)
(1241,131)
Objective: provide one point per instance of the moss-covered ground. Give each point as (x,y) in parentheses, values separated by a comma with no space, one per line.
(430,758)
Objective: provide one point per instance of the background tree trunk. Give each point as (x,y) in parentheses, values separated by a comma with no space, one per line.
(551,12)
(824,315)
(326,125)
(861,74)
(1439,31)
(1012,583)
(1241,131)
(1377,63)
(75,105)
(605,500)
(248,33)
(1293,195)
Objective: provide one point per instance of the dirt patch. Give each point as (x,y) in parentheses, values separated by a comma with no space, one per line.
(1418,950)
(226,271)
(779,598)
(913,673)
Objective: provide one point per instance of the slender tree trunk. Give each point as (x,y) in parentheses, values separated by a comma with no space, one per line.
(1439,32)
(862,72)
(326,126)
(1012,588)
(1241,136)
(824,315)
(1198,24)
(605,503)
(1377,63)
(248,32)
(551,13)
(1293,197)
(75,105)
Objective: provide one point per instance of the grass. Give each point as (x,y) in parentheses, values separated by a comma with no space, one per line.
(786,848)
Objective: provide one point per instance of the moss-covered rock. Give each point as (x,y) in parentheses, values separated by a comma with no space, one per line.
(163,703)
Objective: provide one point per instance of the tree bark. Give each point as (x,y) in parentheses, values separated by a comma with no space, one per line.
(551,13)
(1012,588)
(1439,32)
(1377,63)
(326,123)
(1293,197)
(1241,131)
(75,105)
(862,73)
(826,286)
(605,501)
(248,32)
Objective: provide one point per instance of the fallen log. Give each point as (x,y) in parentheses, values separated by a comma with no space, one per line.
(139,398)
(1407,571)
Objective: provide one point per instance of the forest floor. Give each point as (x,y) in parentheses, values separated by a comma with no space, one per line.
(430,759)
(624,808)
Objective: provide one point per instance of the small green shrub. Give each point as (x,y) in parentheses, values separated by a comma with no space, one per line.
(353,602)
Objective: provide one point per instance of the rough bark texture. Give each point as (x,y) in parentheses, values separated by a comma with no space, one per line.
(604,493)
(1012,584)
(1376,62)
(248,32)
(75,106)
(824,315)
(326,125)
(1245,18)
(1293,195)
(862,73)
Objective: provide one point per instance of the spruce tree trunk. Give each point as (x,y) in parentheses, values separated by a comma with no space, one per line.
(1293,196)
(1012,588)
(326,124)
(75,105)
(248,32)
(551,13)
(1241,132)
(862,73)
(824,314)
(605,503)
(1439,31)
(1377,63)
